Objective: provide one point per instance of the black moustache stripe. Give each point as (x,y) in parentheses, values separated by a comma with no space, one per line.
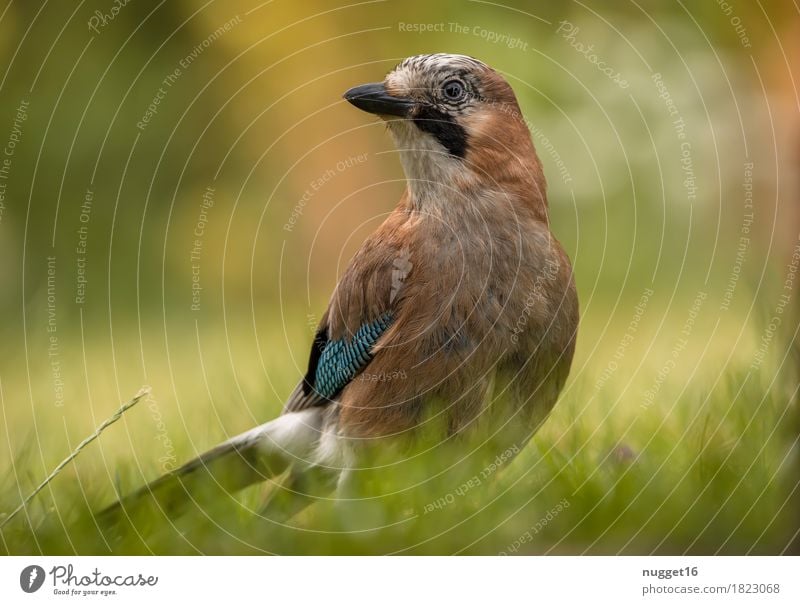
(444,128)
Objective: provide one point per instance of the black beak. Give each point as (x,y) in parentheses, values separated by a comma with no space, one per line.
(375,99)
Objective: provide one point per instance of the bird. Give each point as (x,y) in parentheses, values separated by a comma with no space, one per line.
(459,312)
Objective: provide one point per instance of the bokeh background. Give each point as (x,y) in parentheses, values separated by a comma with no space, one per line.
(181,184)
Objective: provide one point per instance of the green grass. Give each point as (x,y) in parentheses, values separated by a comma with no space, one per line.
(706,468)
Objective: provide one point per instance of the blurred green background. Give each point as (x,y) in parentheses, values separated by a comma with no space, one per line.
(183,184)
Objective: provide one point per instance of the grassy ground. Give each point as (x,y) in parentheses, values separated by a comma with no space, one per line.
(704,466)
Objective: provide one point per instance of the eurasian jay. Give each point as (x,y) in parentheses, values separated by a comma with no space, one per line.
(463,295)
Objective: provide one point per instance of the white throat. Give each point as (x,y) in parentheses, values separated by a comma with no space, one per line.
(432,174)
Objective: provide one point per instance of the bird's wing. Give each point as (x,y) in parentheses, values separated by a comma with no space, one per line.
(362,309)
(333,363)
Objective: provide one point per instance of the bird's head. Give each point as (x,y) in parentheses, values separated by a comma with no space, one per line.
(455,121)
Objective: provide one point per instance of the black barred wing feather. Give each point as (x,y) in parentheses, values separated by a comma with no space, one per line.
(333,364)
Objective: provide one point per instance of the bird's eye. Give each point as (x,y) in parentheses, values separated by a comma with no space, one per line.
(453,90)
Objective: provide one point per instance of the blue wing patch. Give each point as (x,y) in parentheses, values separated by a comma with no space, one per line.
(342,359)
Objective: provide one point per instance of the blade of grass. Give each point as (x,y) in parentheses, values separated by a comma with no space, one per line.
(143,392)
